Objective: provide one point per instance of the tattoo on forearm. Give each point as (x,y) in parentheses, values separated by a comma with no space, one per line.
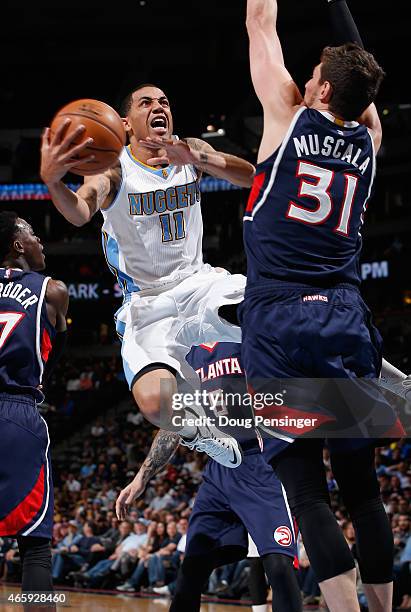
(162,450)
(203,158)
(203,148)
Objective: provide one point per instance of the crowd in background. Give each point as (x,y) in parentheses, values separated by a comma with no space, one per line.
(79,389)
(92,549)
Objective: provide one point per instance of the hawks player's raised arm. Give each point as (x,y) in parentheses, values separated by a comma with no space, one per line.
(58,156)
(272,82)
(345,30)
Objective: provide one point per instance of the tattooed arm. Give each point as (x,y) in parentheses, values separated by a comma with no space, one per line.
(201,155)
(96,192)
(221,165)
(162,450)
(59,154)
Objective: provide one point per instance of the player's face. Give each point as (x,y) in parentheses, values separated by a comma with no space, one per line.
(313,87)
(150,114)
(31,245)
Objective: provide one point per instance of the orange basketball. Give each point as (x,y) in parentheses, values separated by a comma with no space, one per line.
(103,124)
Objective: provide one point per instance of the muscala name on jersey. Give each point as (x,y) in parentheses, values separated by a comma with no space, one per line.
(230,365)
(15,291)
(163,200)
(331,147)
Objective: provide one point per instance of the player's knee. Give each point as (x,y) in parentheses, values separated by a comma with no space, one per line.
(153,392)
(377,572)
(148,400)
(301,505)
(278,567)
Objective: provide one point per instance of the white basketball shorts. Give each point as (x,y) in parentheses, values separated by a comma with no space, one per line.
(161,326)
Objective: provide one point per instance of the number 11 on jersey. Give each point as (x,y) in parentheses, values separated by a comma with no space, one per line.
(173,230)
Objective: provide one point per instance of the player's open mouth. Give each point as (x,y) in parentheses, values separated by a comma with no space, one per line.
(159,125)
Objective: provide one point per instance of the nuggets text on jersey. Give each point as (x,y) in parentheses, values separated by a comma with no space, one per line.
(152,232)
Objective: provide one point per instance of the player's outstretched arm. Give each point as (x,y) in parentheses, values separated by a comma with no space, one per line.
(162,450)
(201,155)
(272,82)
(59,154)
(221,165)
(345,30)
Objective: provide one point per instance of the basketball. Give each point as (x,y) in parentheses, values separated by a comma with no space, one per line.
(103,124)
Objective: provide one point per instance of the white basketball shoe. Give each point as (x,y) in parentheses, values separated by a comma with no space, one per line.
(217,444)
(397,385)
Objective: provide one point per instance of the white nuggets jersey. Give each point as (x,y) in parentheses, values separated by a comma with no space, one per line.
(153,230)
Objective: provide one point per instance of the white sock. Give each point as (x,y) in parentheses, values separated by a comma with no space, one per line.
(260,608)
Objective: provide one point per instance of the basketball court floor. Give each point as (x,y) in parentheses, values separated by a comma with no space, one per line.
(96,602)
(105,602)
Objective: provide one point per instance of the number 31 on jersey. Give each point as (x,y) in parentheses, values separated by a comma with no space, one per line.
(320,192)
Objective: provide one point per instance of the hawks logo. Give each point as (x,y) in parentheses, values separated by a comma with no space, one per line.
(283,536)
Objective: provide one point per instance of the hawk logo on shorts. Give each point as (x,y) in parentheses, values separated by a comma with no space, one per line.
(283,536)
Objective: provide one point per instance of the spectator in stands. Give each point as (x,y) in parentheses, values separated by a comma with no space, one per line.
(162,499)
(156,533)
(77,553)
(166,557)
(86,381)
(402,472)
(95,575)
(395,485)
(62,548)
(402,578)
(9,558)
(182,528)
(60,530)
(401,533)
(87,468)
(112,533)
(73,382)
(98,429)
(72,484)
(131,551)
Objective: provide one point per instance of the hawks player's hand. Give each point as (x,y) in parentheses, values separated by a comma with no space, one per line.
(59,152)
(127,496)
(176,152)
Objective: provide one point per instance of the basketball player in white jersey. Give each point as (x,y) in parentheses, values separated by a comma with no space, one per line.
(152,240)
